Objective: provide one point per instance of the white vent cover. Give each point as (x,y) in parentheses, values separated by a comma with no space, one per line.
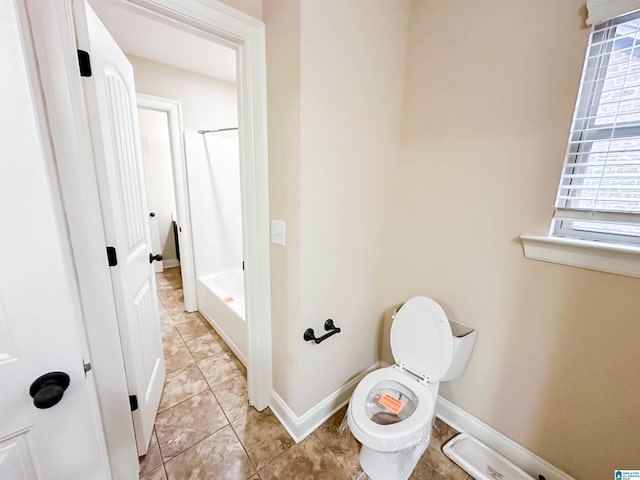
(480,461)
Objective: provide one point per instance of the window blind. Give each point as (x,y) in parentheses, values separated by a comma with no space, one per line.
(599,193)
(602,10)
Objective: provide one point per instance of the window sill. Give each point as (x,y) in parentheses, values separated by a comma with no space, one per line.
(600,256)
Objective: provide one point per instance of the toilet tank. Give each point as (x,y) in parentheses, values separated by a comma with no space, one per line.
(464,338)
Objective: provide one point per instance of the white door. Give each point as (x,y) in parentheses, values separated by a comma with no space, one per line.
(40,319)
(113,119)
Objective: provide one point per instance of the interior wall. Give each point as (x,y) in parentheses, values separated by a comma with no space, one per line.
(334,170)
(490,91)
(158,175)
(352,73)
(207,103)
(250,7)
(282,32)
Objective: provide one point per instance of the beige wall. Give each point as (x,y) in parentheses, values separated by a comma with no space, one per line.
(334,115)
(352,70)
(379,210)
(283,76)
(207,103)
(487,107)
(250,7)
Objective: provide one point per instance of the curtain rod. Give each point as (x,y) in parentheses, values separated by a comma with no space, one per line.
(218,130)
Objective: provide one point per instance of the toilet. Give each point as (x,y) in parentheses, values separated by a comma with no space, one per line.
(392,409)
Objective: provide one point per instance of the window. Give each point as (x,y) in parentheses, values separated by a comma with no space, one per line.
(599,193)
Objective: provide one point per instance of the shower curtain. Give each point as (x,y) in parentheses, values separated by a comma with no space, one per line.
(213,177)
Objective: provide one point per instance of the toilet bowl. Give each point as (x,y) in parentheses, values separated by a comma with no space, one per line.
(392,409)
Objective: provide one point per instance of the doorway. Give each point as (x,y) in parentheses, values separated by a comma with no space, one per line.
(188,117)
(54,41)
(194,194)
(249,206)
(172,182)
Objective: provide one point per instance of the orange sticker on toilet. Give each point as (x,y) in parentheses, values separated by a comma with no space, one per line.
(391,403)
(228,299)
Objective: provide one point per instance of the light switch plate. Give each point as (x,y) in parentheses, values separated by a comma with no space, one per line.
(278,232)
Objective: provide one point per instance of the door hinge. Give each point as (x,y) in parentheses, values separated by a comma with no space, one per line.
(133,402)
(86,366)
(243,265)
(84,62)
(112,256)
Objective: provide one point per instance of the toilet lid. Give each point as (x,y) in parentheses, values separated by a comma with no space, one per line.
(421,338)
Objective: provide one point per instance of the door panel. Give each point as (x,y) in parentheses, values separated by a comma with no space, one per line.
(111,102)
(16,461)
(40,317)
(127,179)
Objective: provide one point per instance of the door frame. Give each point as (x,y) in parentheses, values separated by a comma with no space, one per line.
(55,49)
(173,109)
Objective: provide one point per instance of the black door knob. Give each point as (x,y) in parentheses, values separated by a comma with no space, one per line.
(153,257)
(48,389)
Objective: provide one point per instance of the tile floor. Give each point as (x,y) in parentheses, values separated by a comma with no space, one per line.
(205,428)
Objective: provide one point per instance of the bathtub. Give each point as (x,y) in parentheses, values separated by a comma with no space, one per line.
(221,302)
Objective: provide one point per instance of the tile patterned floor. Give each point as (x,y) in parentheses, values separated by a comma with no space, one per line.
(205,428)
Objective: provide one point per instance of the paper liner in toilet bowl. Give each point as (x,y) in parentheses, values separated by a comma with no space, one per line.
(343,429)
(421,437)
(390,402)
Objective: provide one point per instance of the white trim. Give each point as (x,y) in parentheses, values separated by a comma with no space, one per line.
(301,427)
(602,10)
(592,255)
(516,453)
(173,109)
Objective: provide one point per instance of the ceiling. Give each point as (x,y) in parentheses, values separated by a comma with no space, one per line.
(144,37)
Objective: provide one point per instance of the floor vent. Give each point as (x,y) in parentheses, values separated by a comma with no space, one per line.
(481,462)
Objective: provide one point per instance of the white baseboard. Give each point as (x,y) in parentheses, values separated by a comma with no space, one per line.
(528,461)
(301,427)
(171,263)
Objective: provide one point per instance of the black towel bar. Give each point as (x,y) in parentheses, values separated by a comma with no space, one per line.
(328,326)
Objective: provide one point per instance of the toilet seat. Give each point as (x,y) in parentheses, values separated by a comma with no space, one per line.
(421,339)
(390,438)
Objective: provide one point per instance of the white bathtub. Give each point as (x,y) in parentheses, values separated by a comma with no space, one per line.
(221,302)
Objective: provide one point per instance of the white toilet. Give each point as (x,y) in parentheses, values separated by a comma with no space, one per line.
(392,409)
